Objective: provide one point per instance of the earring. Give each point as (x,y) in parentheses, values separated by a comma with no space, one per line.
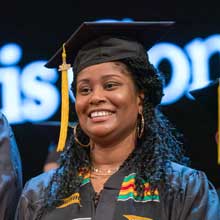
(140,126)
(76,139)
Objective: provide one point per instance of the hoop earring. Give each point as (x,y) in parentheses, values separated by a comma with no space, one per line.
(140,127)
(76,139)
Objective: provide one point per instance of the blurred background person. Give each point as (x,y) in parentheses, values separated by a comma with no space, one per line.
(52,159)
(208,100)
(53,156)
(10,171)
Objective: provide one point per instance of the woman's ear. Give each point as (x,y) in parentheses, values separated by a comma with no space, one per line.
(141,101)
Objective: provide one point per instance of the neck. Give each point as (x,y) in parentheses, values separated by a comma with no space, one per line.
(113,155)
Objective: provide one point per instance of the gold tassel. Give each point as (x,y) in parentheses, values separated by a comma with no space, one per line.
(64,102)
(218,122)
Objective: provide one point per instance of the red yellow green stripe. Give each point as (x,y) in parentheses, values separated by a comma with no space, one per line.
(86,178)
(128,191)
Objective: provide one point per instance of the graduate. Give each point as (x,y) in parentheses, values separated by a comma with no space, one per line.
(10,171)
(208,99)
(123,159)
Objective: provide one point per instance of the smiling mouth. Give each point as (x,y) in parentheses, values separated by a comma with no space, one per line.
(97,114)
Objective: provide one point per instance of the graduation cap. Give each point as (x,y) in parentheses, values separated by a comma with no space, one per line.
(209,100)
(99,42)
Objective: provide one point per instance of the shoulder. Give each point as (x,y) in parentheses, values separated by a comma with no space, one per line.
(35,187)
(180,172)
(191,183)
(31,198)
(181,176)
(194,196)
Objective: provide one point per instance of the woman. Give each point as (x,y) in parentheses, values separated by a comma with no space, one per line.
(123,159)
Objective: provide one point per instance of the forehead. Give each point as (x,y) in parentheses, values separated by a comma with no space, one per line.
(104,70)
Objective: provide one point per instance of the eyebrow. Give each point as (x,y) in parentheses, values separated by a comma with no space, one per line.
(86,80)
(110,75)
(83,80)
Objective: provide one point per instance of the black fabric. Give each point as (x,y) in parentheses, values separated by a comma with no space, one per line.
(146,33)
(10,171)
(194,198)
(105,49)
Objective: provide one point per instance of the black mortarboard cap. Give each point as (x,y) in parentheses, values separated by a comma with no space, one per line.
(146,33)
(99,42)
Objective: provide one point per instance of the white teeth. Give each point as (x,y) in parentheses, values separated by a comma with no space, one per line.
(100,114)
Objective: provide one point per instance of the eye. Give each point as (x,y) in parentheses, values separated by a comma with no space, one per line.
(84,90)
(111,85)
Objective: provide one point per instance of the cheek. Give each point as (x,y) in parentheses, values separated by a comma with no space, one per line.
(126,101)
(77,106)
(80,106)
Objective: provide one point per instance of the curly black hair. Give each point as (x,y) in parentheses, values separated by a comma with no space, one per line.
(151,159)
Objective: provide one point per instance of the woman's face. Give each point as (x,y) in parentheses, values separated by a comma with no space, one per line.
(107,103)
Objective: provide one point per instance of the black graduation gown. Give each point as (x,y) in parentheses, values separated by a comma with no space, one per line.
(10,171)
(197,199)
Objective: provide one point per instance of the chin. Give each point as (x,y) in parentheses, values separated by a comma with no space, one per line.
(100,131)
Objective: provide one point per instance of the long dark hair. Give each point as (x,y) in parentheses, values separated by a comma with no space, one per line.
(151,159)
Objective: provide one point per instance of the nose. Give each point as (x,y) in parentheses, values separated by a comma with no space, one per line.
(97,97)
